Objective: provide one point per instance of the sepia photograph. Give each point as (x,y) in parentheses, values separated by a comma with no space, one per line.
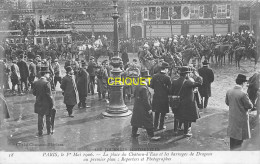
(129,81)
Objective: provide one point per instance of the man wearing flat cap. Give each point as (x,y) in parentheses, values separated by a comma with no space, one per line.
(161,84)
(187,111)
(32,72)
(44,101)
(57,74)
(208,77)
(239,106)
(24,72)
(82,85)
(91,71)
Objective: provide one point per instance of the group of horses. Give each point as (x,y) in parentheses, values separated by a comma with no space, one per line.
(214,52)
(54,50)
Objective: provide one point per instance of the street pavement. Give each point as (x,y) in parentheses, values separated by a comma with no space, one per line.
(89,130)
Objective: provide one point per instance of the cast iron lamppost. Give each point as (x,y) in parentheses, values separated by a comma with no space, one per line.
(117,107)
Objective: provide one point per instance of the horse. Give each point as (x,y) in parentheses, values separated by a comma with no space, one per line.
(239,53)
(188,54)
(252,53)
(220,52)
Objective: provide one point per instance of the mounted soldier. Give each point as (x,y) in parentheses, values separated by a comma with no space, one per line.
(145,57)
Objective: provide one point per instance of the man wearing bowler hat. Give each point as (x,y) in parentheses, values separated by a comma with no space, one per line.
(208,77)
(187,111)
(142,112)
(239,105)
(161,84)
(69,88)
(44,101)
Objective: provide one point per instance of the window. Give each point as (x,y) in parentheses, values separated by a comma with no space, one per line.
(145,13)
(164,13)
(152,13)
(201,11)
(177,9)
(244,13)
(228,11)
(207,11)
(221,11)
(136,14)
(194,12)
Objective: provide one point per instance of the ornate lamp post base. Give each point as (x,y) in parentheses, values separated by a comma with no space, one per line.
(117,107)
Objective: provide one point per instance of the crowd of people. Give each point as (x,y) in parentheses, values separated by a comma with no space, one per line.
(184,94)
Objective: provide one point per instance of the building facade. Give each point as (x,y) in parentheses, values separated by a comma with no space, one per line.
(155,18)
(138,18)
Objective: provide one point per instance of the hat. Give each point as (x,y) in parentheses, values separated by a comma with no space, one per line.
(83,63)
(181,37)
(156,44)
(30,60)
(175,41)
(104,61)
(45,69)
(205,62)
(14,61)
(241,77)
(92,58)
(184,69)
(145,73)
(170,38)
(165,65)
(68,69)
(146,46)
(55,60)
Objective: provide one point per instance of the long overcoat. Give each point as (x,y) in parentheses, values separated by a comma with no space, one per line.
(142,104)
(238,122)
(188,109)
(68,85)
(161,84)
(208,77)
(42,91)
(24,69)
(83,82)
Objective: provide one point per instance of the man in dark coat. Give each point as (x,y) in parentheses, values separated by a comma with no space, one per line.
(188,111)
(125,58)
(82,85)
(70,92)
(32,72)
(208,77)
(161,84)
(90,69)
(15,77)
(142,112)
(44,102)
(41,24)
(24,72)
